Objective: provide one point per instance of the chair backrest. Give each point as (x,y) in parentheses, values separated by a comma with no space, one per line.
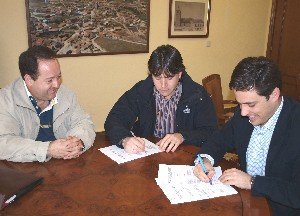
(212,84)
(291,85)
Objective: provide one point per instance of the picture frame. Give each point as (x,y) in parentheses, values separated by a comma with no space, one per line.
(189,18)
(87,28)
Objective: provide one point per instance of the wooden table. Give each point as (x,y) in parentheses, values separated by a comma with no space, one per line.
(93,184)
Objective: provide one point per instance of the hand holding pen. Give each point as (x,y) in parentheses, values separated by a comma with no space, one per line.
(133,145)
(204,172)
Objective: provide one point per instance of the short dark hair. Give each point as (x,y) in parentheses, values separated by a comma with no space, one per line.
(167,60)
(258,73)
(28,60)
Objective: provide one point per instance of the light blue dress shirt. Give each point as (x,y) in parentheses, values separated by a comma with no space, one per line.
(257,151)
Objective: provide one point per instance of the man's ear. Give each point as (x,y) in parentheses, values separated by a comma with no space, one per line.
(180,74)
(275,94)
(28,80)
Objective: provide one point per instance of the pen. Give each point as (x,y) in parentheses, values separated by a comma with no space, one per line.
(203,167)
(132,134)
(11,199)
(137,146)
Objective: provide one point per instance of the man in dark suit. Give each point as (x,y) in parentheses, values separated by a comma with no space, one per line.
(168,105)
(265,133)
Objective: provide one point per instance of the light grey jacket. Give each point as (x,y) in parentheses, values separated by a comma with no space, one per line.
(19,123)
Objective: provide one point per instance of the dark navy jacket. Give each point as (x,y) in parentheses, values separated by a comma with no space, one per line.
(135,111)
(281,183)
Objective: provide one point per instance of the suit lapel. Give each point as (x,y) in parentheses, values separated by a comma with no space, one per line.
(244,144)
(278,136)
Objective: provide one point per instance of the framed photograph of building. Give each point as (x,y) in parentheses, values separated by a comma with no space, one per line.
(189,18)
(93,27)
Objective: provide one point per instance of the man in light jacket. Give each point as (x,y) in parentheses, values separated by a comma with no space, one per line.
(39,117)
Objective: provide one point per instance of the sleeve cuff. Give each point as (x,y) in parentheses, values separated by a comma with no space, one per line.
(41,152)
(212,161)
(119,144)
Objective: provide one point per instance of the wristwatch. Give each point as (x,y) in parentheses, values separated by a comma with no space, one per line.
(83,146)
(252,180)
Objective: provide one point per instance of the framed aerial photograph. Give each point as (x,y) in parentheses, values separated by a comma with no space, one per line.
(189,18)
(93,27)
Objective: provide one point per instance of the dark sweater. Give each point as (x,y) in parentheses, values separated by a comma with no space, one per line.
(135,111)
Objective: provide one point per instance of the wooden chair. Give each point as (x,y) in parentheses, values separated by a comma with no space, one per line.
(291,85)
(212,84)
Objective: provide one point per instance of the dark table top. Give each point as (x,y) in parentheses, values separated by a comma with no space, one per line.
(93,184)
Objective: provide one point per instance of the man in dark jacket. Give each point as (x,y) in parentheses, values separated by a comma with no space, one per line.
(265,132)
(168,104)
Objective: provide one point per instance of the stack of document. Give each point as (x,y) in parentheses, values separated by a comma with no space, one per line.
(180,185)
(120,156)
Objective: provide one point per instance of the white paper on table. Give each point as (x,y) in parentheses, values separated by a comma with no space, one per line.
(120,156)
(178,174)
(180,185)
(193,192)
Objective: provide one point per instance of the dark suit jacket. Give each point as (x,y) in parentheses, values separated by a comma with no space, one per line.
(135,110)
(281,183)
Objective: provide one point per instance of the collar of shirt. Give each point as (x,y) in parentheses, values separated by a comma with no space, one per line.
(174,97)
(50,105)
(270,124)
